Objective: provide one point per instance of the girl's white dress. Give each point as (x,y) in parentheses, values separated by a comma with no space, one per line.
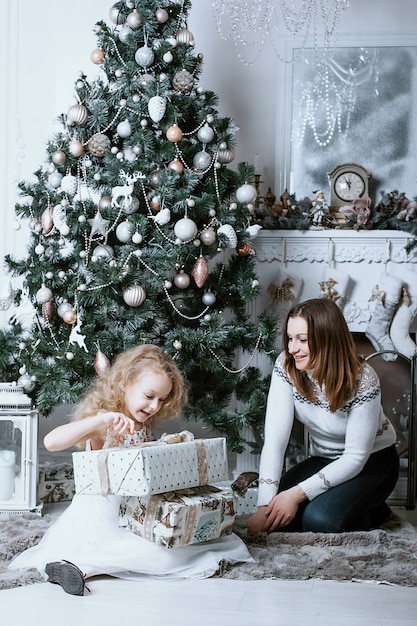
(88,535)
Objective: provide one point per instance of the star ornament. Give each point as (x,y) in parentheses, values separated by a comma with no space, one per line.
(98,225)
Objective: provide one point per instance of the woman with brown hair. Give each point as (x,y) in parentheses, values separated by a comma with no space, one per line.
(353,463)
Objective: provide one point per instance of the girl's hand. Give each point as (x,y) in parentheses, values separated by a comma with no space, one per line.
(283,507)
(119,422)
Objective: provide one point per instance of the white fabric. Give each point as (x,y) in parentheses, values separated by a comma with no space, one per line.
(88,535)
(349,435)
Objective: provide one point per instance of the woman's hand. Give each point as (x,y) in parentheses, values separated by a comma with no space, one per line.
(119,422)
(256,522)
(283,508)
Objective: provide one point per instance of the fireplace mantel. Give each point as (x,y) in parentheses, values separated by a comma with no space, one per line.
(361,255)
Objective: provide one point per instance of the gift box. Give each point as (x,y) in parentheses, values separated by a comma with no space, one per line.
(151,468)
(246,502)
(180,518)
(56,482)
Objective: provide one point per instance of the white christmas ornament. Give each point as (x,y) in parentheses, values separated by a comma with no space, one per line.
(162,217)
(59,215)
(185,229)
(124,129)
(137,238)
(205,134)
(253,230)
(229,233)
(156,108)
(44,294)
(134,295)
(144,56)
(102,251)
(124,231)
(246,193)
(201,160)
(124,33)
(55,180)
(69,184)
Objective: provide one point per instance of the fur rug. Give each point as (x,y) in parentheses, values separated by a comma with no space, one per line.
(386,555)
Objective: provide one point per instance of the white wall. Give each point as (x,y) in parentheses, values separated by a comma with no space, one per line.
(44,45)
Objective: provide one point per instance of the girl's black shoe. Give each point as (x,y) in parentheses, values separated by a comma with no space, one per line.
(68,575)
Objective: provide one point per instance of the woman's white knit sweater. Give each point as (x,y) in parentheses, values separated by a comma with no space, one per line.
(348,436)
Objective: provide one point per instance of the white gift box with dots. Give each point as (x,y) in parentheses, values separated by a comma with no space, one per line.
(151,468)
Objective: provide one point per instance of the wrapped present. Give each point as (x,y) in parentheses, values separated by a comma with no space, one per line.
(180,518)
(246,502)
(151,468)
(56,482)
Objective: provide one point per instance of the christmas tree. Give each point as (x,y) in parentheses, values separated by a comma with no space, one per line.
(140,232)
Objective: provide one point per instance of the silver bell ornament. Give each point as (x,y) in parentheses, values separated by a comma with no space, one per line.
(185,229)
(246,194)
(134,295)
(229,233)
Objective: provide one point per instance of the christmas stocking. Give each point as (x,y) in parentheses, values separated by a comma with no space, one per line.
(285,291)
(387,299)
(333,285)
(400,327)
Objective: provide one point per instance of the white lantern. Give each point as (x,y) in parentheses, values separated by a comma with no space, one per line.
(18,451)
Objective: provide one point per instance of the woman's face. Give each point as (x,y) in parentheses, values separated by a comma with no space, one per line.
(298,342)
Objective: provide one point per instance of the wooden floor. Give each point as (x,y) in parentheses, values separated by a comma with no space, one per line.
(213,601)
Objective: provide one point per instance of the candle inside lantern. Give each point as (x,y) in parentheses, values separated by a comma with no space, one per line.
(7,473)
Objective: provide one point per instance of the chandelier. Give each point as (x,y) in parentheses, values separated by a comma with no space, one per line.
(251,23)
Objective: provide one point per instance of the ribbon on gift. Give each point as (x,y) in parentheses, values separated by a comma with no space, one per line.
(102,463)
